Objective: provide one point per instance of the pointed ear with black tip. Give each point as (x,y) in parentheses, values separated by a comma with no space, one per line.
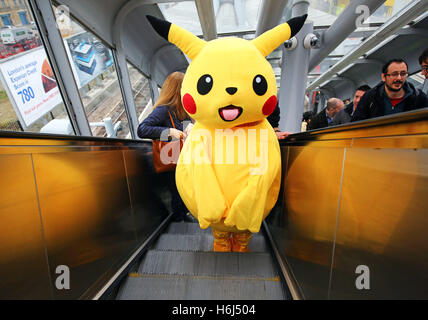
(296,24)
(161,26)
(187,42)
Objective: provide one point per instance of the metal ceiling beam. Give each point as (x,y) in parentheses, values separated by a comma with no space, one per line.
(54,45)
(294,76)
(207,19)
(270,15)
(368,61)
(344,25)
(413,32)
(410,12)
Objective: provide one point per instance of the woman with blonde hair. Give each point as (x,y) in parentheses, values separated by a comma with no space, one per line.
(158,126)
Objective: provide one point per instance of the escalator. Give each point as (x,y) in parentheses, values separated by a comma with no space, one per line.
(181,265)
(126,248)
(95,207)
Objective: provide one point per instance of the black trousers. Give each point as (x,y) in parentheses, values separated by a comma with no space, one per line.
(178,207)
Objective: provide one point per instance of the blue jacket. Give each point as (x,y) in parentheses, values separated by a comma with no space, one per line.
(158,121)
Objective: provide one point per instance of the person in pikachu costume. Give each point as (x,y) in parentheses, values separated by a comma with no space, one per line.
(229,170)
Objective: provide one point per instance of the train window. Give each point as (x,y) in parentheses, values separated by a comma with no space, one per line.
(141,92)
(29,96)
(95,73)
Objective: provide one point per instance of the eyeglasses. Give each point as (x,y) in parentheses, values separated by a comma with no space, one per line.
(425,68)
(396,74)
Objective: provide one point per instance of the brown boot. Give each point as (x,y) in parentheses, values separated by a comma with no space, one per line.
(222,242)
(240,241)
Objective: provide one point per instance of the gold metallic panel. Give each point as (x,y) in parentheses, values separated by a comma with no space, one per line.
(383,224)
(86,211)
(380,131)
(145,192)
(419,141)
(23,263)
(311,195)
(381,220)
(409,123)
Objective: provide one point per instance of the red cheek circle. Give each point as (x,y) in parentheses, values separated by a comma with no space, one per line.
(269,105)
(189,104)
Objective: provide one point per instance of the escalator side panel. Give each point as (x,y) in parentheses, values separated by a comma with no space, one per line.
(355,199)
(24,272)
(93,203)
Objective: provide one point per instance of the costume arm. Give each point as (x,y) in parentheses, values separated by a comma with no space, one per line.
(207,201)
(250,206)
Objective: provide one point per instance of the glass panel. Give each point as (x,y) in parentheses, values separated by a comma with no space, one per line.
(29,96)
(325,12)
(141,92)
(183,14)
(95,73)
(346,46)
(387,10)
(324,65)
(231,15)
(236,15)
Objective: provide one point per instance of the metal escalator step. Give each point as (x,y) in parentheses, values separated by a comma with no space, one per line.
(215,264)
(187,228)
(193,228)
(169,287)
(200,242)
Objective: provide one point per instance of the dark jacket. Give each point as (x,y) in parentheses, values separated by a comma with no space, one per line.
(158,121)
(273,118)
(375,102)
(318,121)
(343,116)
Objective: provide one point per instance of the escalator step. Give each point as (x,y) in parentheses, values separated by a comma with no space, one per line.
(193,228)
(200,242)
(186,228)
(170,287)
(208,264)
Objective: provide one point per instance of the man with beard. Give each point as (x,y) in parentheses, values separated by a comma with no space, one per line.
(393,95)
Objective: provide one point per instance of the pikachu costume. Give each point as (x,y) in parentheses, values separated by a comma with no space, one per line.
(229,170)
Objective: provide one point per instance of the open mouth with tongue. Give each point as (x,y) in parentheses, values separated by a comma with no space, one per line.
(230,112)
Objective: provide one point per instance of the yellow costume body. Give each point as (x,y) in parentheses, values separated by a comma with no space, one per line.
(229,170)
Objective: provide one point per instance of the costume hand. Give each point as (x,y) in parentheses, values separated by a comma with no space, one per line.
(177,134)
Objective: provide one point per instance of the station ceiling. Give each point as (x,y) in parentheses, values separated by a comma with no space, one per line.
(122,23)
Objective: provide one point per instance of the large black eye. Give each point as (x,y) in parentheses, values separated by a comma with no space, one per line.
(205,83)
(259,85)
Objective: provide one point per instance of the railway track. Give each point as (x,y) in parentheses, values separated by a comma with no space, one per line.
(113,107)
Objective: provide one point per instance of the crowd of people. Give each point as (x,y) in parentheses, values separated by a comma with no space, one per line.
(394,94)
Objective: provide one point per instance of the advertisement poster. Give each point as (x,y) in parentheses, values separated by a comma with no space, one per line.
(89,56)
(31,84)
